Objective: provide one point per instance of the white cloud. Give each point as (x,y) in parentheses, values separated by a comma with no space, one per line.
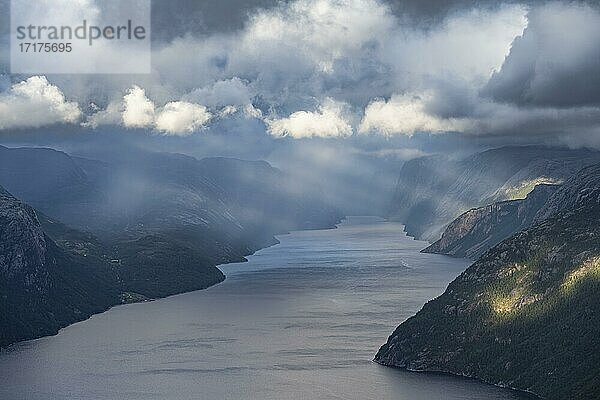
(252,112)
(327,121)
(227,110)
(138,109)
(468,46)
(320,31)
(181,118)
(358,52)
(34,103)
(222,93)
(405,115)
(349,50)
(112,115)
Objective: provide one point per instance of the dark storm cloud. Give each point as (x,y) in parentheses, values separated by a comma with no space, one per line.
(174,18)
(392,67)
(4,32)
(555,63)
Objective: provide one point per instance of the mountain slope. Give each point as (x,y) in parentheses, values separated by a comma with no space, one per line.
(43,287)
(154,190)
(433,191)
(479,229)
(144,204)
(52,275)
(47,179)
(161,224)
(265,197)
(526,314)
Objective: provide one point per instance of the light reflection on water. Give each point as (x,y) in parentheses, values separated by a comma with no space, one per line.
(301,320)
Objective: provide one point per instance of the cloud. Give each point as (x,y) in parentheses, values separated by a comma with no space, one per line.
(352,51)
(112,115)
(34,103)
(545,123)
(181,118)
(556,63)
(138,109)
(480,68)
(284,57)
(406,115)
(327,122)
(232,92)
(544,91)
(468,46)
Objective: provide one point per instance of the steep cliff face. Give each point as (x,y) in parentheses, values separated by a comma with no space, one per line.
(433,191)
(23,250)
(581,187)
(166,220)
(479,229)
(161,224)
(44,287)
(527,313)
(421,185)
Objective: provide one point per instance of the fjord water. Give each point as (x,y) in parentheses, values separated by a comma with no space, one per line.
(300,320)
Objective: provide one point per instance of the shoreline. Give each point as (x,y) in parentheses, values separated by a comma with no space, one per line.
(279,237)
(8,347)
(457,375)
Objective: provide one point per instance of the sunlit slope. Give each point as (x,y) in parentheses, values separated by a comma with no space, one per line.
(432,191)
(479,229)
(525,315)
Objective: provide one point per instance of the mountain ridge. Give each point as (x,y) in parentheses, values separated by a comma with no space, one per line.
(434,190)
(524,315)
(146,227)
(479,229)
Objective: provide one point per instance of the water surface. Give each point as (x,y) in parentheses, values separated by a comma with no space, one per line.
(300,320)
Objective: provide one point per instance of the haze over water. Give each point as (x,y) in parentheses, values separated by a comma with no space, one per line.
(300,320)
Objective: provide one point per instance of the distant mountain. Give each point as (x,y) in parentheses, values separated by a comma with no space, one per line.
(46,179)
(432,191)
(222,208)
(262,196)
(527,313)
(43,286)
(146,190)
(479,229)
(160,225)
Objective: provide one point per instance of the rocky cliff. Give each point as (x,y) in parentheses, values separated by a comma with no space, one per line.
(161,224)
(527,313)
(433,191)
(24,259)
(477,230)
(44,287)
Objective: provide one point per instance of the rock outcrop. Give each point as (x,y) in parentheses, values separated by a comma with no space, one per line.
(44,287)
(480,229)
(161,224)
(24,262)
(433,191)
(527,313)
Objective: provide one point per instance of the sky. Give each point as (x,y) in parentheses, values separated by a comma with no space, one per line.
(395,78)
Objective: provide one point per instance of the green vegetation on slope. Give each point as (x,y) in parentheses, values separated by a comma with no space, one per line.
(41,294)
(478,230)
(525,315)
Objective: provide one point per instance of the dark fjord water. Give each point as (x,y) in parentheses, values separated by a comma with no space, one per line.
(301,320)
